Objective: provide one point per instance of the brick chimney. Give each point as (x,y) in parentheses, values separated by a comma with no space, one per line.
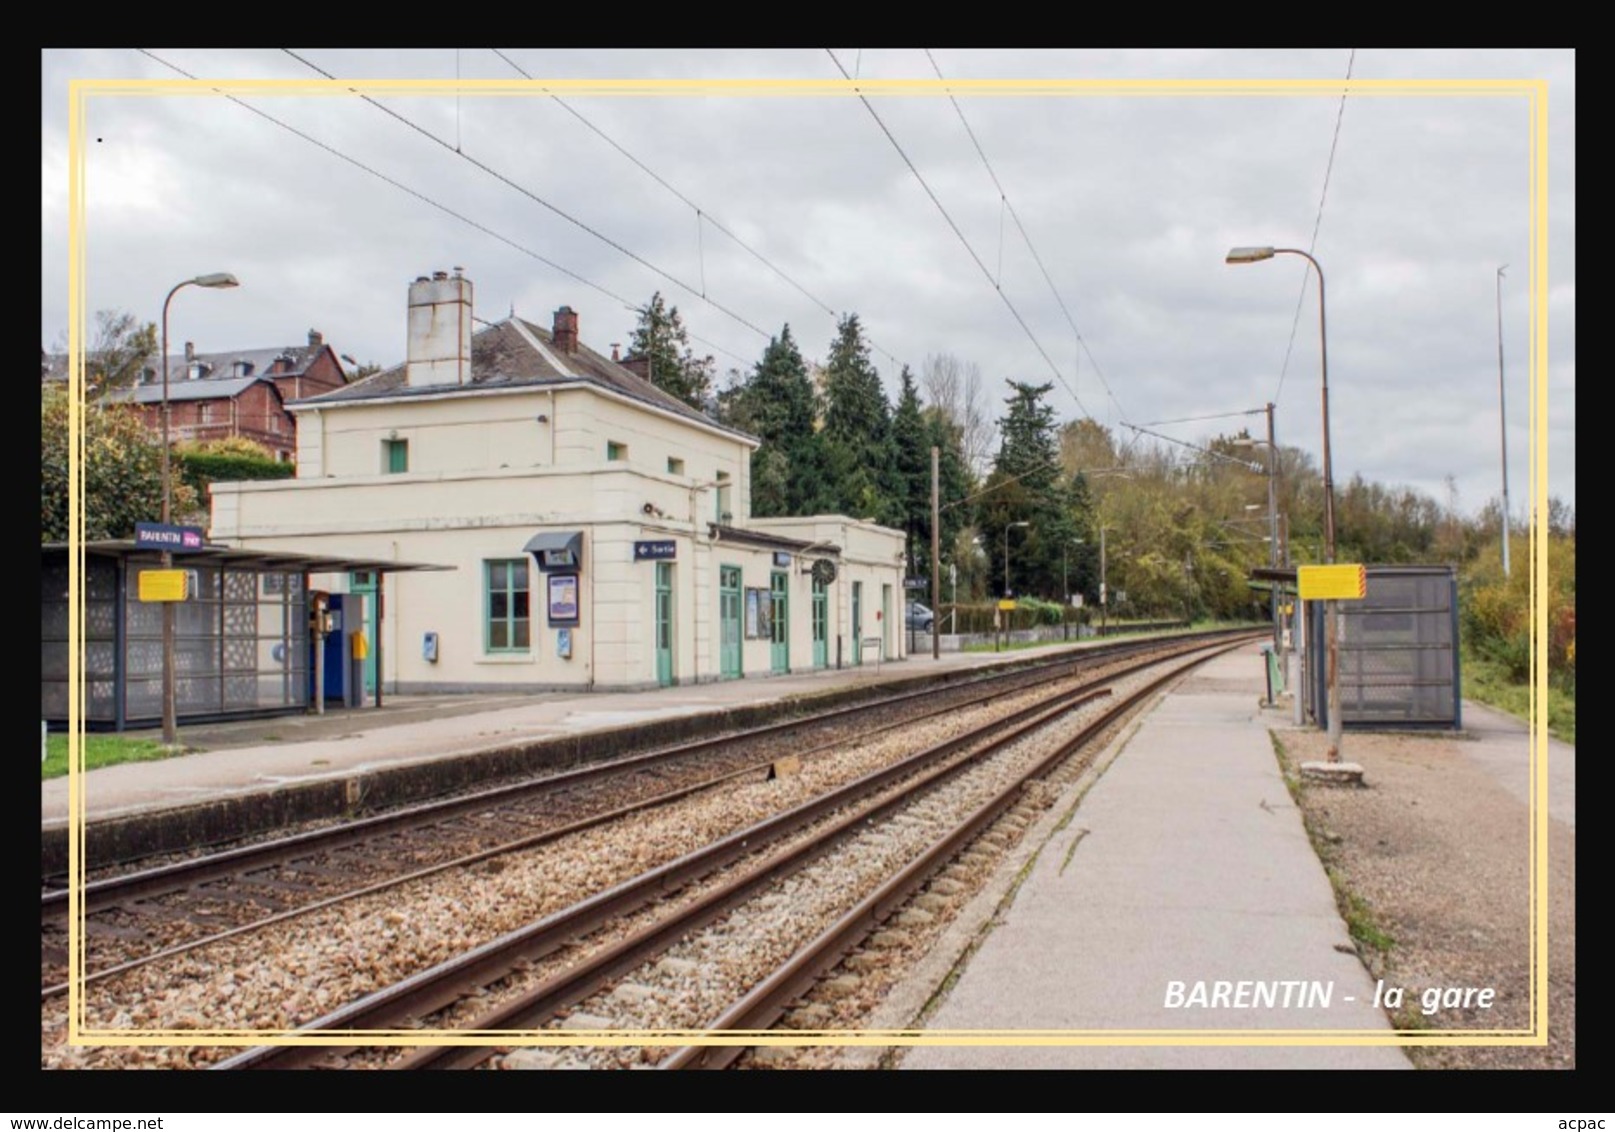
(439,330)
(315,338)
(565,332)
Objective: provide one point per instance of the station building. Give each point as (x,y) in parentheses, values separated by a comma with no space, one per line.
(599,528)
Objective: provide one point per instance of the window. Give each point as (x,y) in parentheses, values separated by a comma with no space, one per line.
(616,451)
(508,624)
(395,456)
(675,466)
(725,511)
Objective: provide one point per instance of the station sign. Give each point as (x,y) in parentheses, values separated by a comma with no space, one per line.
(655,549)
(163,585)
(167,536)
(1333,583)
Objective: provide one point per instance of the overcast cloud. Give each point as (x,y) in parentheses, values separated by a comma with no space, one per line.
(1131,203)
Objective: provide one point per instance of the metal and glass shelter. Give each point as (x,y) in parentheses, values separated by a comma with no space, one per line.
(241,640)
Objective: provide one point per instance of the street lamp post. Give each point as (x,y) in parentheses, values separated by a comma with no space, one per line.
(1007,526)
(1502,413)
(1272,518)
(216,279)
(1331,626)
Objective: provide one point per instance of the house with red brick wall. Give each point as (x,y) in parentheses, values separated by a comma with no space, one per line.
(243,393)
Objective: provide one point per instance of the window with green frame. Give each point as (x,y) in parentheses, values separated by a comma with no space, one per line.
(395,456)
(507,624)
(616,450)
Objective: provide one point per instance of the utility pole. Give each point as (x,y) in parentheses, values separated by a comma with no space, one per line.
(1273,524)
(1502,412)
(1103,596)
(936,553)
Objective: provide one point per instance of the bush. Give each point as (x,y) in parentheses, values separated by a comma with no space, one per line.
(1029,612)
(199,468)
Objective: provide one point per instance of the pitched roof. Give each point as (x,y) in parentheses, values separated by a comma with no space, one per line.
(208,389)
(218,366)
(515,353)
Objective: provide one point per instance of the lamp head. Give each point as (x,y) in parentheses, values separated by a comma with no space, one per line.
(1248,255)
(216,279)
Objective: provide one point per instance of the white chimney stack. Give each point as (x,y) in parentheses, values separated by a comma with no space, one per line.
(439,330)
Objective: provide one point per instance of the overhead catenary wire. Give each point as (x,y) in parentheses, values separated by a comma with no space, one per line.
(702,214)
(556,209)
(1197,448)
(626,303)
(986,273)
(1009,207)
(1317,223)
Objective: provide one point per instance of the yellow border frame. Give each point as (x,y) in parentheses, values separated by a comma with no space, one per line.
(1535,91)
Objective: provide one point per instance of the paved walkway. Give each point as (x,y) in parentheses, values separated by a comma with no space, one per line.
(1185,872)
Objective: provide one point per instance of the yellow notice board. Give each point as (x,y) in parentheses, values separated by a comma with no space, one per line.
(1324,583)
(162,585)
(1006,603)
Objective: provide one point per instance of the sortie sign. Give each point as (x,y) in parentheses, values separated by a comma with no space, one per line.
(655,549)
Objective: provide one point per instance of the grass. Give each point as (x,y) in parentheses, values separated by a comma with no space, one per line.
(1373,942)
(102,750)
(1488,682)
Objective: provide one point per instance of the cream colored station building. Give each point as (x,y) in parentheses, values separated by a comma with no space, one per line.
(599,528)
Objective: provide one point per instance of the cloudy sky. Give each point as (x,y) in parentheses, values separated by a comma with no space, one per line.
(751,211)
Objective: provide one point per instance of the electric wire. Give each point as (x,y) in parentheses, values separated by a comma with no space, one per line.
(1026,236)
(955,227)
(626,303)
(1306,276)
(702,213)
(556,209)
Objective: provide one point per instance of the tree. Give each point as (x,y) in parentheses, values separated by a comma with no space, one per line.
(954,388)
(857,430)
(122,471)
(119,351)
(777,405)
(663,343)
(911,466)
(1028,486)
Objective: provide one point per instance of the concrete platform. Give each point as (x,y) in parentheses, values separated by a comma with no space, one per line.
(1185,866)
(286,768)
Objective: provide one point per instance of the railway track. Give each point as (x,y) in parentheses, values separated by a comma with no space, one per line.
(218,981)
(136,918)
(616,961)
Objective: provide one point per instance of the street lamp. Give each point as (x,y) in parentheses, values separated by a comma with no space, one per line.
(216,279)
(1006,552)
(1331,627)
(1272,513)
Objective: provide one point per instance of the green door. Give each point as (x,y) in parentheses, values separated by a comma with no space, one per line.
(821,625)
(779,622)
(664,623)
(857,622)
(729,622)
(886,622)
(364,583)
